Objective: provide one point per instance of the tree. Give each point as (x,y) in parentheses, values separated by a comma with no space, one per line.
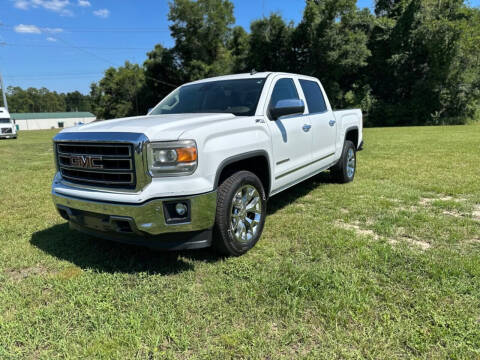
(239,48)
(269,44)
(331,43)
(202,30)
(116,95)
(162,75)
(421,52)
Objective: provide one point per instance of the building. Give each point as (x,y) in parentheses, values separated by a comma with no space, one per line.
(54,120)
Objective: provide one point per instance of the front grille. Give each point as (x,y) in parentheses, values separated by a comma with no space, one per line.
(6,130)
(97,164)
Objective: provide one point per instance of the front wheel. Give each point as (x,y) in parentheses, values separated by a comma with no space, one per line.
(241,212)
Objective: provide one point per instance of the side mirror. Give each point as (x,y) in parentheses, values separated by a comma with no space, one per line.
(287,107)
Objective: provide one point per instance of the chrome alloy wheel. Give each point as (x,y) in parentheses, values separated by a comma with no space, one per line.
(350,163)
(245,214)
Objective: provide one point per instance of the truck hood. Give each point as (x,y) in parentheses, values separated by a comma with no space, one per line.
(155,127)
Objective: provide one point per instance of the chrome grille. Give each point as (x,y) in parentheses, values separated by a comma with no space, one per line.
(97,164)
(6,130)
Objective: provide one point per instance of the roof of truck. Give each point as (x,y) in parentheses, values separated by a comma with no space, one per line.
(255,75)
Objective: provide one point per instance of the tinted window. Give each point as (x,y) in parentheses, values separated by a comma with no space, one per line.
(239,97)
(314,96)
(284,89)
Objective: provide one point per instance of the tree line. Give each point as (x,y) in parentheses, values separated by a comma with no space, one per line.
(42,100)
(410,62)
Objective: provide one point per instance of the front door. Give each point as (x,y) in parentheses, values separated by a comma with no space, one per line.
(291,135)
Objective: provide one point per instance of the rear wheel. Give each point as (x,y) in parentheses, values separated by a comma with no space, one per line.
(344,170)
(241,211)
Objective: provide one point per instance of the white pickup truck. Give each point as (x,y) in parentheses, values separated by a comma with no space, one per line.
(198,169)
(7,127)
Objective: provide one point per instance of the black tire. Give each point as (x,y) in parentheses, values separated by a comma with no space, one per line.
(224,239)
(340,172)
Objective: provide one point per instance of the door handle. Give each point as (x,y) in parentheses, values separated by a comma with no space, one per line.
(306,127)
(331,122)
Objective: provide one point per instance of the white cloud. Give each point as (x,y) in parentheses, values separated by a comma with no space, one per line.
(84,3)
(103,13)
(52,30)
(27,29)
(51,39)
(58,6)
(33,29)
(21,4)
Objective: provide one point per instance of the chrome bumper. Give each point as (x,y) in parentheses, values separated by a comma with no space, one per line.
(8,136)
(146,219)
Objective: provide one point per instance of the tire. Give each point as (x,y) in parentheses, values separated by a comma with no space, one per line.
(344,171)
(233,234)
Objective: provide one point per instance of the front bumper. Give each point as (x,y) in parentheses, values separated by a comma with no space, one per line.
(143,224)
(8,136)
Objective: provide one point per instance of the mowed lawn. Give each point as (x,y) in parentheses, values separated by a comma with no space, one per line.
(385,267)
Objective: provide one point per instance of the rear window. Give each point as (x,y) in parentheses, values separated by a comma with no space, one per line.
(313,94)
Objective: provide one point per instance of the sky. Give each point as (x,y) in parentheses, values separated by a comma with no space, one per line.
(65,45)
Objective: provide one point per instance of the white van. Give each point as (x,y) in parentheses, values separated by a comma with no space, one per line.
(7,126)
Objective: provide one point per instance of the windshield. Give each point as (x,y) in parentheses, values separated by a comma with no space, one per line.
(4,121)
(239,97)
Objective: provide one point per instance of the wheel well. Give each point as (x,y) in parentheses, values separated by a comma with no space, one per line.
(256,164)
(352,135)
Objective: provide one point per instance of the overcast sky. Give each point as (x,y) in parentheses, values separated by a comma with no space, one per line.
(65,45)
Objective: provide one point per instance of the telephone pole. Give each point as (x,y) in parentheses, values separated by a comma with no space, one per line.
(4,92)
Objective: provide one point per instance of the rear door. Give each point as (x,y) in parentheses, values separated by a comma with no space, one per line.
(291,136)
(324,126)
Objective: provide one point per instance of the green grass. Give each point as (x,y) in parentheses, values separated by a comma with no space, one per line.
(385,267)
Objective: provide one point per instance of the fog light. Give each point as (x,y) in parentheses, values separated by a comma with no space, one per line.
(181,209)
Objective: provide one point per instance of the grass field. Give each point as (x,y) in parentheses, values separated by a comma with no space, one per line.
(385,267)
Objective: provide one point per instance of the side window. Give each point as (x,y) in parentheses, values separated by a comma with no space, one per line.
(314,96)
(284,89)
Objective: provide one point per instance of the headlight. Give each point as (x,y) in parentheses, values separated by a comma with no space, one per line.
(172,158)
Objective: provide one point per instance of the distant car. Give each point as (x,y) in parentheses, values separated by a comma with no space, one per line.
(199,168)
(7,126)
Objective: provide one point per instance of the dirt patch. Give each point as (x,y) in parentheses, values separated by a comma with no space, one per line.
(453,213)
(476,212)
(423,245)
(21,274)
(428,201)
(358,230)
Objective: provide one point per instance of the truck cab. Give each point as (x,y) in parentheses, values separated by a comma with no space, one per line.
(7,125)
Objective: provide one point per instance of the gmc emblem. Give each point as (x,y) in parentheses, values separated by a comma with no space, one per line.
(86,162)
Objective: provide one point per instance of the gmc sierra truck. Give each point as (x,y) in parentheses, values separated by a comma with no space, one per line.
(198,169)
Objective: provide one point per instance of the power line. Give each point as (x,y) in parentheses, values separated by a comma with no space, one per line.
(51,76)
(85,50)
(68,47)
(53,29)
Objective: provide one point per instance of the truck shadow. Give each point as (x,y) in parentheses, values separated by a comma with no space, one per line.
(288,196)
(90,253)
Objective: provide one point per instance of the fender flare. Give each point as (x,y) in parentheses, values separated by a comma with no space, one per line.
(350,128)
(239,157)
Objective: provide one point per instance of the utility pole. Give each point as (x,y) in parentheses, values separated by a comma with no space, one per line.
(4,92)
